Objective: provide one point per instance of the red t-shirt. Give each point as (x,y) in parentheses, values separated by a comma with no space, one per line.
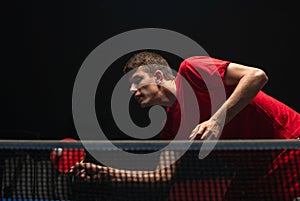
(263,118)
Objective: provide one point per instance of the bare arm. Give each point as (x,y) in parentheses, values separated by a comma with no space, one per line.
(135,184)
(94,173)
(115,184)
(248,81)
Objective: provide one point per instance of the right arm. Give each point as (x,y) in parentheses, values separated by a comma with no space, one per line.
(154,184)
(96,173)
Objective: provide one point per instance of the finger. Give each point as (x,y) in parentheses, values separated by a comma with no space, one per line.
(75,168)
(201,130)
(78,173)
(82,175)
(194,132)
(191,137)
(205,134)
(83,171)
(195,129)
(198,132)
(196,136)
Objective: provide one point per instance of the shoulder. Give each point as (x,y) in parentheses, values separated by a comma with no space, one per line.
(206,64)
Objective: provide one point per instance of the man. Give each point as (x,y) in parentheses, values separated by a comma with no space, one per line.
(246,112)
(250,113)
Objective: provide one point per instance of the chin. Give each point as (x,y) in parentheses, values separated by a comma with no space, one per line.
(144,105)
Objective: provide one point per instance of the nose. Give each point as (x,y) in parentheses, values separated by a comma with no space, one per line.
(133,88)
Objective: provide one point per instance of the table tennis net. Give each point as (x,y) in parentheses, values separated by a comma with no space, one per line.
(228,170)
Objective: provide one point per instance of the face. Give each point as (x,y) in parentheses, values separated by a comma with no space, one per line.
(144,88)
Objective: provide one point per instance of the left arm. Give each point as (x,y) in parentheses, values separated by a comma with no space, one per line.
(248,81)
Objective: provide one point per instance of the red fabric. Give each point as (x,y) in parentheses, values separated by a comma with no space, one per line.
(278,179)
(262,175)
(263,118)
(286,165)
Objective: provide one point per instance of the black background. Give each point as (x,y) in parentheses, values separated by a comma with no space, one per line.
(45,42)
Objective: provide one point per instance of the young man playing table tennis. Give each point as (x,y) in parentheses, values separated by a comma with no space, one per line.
(250,113)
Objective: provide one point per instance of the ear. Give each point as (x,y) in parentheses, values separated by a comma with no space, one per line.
(159,76)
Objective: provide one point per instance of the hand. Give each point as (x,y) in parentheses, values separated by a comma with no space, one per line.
(207,129)
(87,171)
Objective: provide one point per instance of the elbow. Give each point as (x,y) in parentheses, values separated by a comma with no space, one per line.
(261,77)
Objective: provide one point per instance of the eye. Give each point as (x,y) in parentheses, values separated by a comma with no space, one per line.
(136,80)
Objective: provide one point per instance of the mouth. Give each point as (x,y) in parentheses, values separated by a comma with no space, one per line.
(138,98)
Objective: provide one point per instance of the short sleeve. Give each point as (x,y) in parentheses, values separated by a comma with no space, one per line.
(202,71)
(207,65)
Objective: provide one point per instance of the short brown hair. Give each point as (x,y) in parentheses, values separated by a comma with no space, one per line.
(150,61)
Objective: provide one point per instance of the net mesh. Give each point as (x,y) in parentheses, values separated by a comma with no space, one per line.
(233,170)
